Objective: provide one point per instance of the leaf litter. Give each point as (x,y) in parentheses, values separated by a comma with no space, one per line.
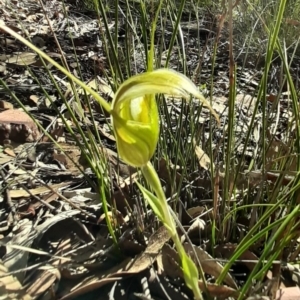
(53,234)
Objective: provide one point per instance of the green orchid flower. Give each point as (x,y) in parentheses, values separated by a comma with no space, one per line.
(134,113)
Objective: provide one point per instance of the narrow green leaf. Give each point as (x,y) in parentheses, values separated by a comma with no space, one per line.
(157,207)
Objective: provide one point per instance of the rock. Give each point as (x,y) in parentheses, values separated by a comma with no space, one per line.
(17,126)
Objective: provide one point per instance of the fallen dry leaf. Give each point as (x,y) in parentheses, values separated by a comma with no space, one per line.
(203,158)
(228,249)
(4,158)
(44,281)
(219,291)
(127,267)
(248,102)
(22,59)
(195,211)
(10,287)
(15,260)
(168,263)
(209,264)
(37,191)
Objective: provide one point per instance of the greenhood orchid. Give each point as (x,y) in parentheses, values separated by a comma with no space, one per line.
(134,113)
(135,121)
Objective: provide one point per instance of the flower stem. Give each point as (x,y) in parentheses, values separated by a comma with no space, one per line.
(189,268)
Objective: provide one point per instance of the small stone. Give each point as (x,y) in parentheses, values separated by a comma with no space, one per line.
(17,126)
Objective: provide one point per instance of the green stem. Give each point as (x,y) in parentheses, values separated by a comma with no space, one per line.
(189,268)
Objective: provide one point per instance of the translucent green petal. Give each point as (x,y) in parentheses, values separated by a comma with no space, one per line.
(163,81)
(136,141)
